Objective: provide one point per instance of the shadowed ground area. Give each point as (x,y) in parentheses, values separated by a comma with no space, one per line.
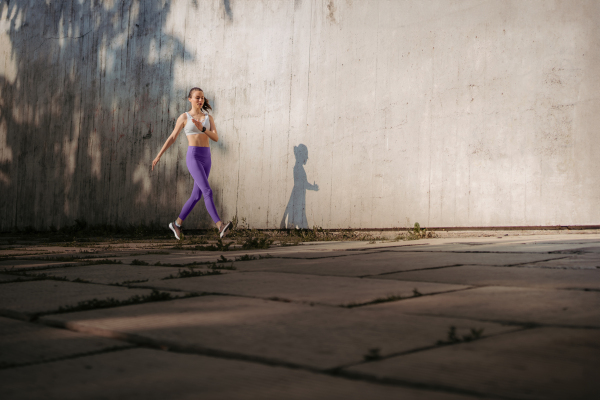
(502,317)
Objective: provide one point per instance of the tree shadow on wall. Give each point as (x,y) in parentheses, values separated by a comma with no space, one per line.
(294,216)
(86,84)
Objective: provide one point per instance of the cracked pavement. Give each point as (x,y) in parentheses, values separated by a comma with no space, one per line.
(507,317)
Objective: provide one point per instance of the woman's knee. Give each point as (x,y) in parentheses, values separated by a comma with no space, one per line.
(207,192)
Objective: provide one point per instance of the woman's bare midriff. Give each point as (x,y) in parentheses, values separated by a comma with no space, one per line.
(199,140)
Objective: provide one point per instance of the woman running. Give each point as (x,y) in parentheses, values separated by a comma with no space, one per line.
(198,127)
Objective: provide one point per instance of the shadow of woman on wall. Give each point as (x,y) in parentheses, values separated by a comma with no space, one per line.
(295,212)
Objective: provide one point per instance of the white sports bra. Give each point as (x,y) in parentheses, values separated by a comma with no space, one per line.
(191,129)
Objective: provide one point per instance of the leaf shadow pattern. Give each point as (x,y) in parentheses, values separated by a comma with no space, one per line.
(88,92)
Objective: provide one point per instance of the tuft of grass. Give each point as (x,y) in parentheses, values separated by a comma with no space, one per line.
(452,337)
(373,354)
(256,243)
(125,283)
(138,262)
(219,267)
(99,262)
(376,301)
(275,298)
(416,293)
(219,246)
(111,302)
(245,257)
(189,273)
(223,259)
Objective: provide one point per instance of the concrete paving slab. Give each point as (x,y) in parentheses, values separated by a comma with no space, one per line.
(24,343)
(318,337)
(332,290)
(153,374)
(113,273)
(383,262)
(508,304)
(579,261)
(24,299)
(24,265)
(505,276)
(544,363)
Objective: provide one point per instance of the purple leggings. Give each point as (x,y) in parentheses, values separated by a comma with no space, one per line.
(198,163)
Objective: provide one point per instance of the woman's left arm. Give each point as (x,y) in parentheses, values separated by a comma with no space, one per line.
(212,133)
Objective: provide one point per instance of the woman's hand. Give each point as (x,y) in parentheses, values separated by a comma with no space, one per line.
(156,160)
(198,124)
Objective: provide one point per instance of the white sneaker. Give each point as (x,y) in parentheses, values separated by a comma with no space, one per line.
(176,230)
(224,229)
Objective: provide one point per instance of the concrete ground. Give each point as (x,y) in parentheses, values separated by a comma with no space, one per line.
(501,317)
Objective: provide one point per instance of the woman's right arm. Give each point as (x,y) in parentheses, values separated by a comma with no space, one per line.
(171,139)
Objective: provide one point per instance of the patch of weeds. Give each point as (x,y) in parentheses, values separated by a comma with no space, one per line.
(416,293)
(189,273)
(245,257)
(138,262)
(275,298)
(79,280)
(219,246)
(101,262)
(416,233)
(373,354)
(124,283)
(454,338)
(256,243)
(376,301)
(223,259)
(219,267)
(111,302)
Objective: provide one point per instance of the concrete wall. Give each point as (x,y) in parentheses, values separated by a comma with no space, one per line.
(449,113)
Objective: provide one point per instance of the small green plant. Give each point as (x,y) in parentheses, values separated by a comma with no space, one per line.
(138,262)
(452,337)
(245,257)
(223,259)
(373,354)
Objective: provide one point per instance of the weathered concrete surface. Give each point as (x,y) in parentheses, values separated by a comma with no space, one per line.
(505,276)
(462,113)
(24,299)
(524,341)
(318,337)
(383,262)
(25,343)
(152,374)
(543,363)
(332,290)
(509,304)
